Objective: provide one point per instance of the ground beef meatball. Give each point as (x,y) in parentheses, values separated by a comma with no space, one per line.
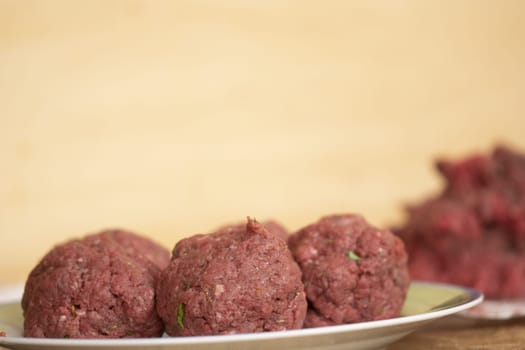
(92,288)
(352,271)
(274,227)
(238,280)
(473,232)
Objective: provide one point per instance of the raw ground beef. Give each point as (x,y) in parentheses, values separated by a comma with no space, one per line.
(135,245)
(240,279)
(473,232)
(274,227)
(101,286)
(352,271)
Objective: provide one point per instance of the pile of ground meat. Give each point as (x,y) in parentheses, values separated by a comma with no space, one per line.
(100,286)
(352,271)
(240,279)
(473,232)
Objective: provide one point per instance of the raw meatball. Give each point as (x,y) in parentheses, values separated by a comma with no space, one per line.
(92,288)
(352,271)
(238,280)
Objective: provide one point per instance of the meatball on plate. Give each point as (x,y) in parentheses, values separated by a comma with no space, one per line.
(95,287)
(352,271)
(241,279)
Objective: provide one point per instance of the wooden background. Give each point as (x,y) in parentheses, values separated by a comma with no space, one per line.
(172,118)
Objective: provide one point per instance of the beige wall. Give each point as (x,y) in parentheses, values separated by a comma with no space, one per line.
(172,118)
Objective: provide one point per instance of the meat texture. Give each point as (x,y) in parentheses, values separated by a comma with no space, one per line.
(240,279)
(473,232)
(352,271)
(272,226)
(95,287)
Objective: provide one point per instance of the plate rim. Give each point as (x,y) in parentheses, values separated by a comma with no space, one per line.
(475,298)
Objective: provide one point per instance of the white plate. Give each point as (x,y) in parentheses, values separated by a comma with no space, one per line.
(497,310)
(425,302)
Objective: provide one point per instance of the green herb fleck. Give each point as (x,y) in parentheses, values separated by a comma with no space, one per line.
(180,316)
(66,336)
(353,256)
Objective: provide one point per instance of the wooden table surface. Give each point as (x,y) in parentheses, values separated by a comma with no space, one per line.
(174,117)
(500,335)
